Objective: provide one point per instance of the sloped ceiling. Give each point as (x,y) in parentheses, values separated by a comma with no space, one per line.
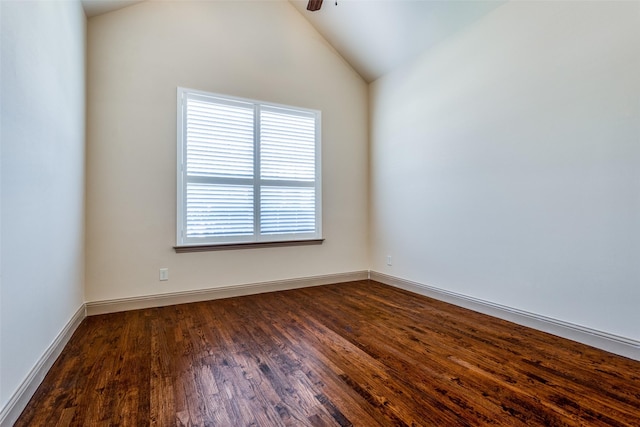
(98,7)
(374,36)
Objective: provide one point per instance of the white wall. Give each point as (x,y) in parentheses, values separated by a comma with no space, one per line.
(42,192)
(506,163)
(263,50)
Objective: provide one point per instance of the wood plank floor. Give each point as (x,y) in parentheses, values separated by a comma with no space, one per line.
(358,353)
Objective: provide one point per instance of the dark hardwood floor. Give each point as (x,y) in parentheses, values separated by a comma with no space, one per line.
(358,353)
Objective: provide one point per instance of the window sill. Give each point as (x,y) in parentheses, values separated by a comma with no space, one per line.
(252,245)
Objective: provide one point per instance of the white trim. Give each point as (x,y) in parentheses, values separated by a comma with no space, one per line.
(603,340)
(180,205)
(609,342)
(160,300)
(19,400)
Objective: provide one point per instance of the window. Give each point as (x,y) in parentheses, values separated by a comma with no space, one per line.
(248,171)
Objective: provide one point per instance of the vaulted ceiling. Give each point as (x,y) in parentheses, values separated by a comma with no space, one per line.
(98,7)
(374,36)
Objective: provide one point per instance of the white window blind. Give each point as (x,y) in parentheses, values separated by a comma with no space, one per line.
(247,171)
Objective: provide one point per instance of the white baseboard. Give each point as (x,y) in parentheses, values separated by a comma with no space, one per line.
(160,300)
(603,340)
(612,343)
(12,410)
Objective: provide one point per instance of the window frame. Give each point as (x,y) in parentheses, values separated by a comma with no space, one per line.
(182,241)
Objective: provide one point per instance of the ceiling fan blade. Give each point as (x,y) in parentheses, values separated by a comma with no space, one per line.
(314,5)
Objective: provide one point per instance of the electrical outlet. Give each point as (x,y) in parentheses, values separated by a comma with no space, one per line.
(164,274)
(388,259)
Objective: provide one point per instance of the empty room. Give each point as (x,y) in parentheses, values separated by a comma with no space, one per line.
(319,213)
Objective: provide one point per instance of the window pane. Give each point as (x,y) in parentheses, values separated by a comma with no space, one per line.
(248,171)
(219,210)
(287,210)
(219,139)
(287,148)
